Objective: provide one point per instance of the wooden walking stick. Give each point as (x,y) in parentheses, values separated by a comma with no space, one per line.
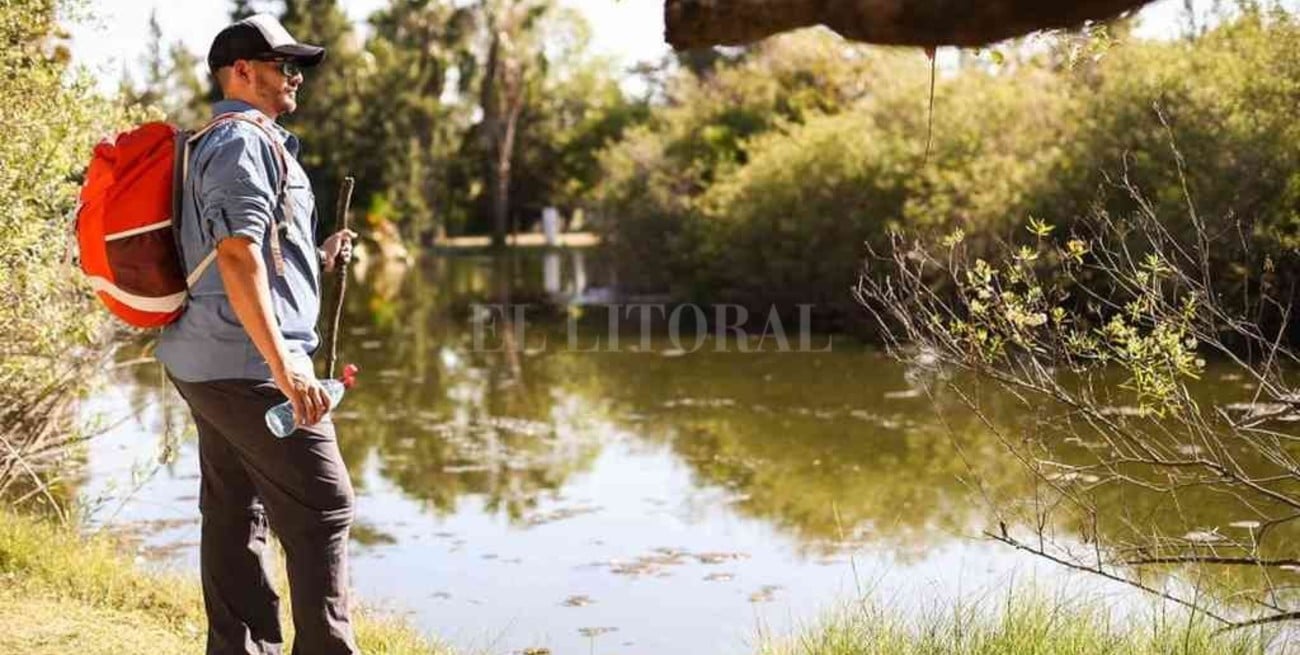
(341,272)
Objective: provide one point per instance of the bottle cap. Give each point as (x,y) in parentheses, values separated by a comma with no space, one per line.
(350,375)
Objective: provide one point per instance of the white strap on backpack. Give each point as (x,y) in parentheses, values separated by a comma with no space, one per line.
(277,255)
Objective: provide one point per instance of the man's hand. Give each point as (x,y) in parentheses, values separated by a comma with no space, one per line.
(337,248)
(299,384)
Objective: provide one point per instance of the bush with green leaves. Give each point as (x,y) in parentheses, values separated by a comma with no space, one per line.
(789,227)
(1228,98)
(51,120)
(724,195)
(648,202)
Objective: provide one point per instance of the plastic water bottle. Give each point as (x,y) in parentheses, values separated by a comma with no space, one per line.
(279,419)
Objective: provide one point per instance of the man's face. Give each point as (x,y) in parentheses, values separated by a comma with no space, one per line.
(273,88)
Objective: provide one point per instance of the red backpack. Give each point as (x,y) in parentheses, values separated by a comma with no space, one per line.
(126,234)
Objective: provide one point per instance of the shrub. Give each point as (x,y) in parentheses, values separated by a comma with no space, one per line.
(50,121)
(727,194)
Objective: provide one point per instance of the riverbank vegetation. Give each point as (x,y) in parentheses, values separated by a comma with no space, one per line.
(1018,624)
(1101,329)
(761,177)
(51,120)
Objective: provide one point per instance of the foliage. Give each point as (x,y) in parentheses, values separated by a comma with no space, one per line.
(759,179)
(649,196)
(406,112)
(577,109)
(172,84)
(1227,96)
(1101,333)
(51,120)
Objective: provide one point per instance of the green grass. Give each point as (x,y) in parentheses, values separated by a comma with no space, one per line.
(1021,624)
(63,593)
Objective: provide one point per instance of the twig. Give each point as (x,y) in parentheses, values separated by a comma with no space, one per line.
(1014,543)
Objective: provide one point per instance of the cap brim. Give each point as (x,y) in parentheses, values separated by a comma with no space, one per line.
(301,53)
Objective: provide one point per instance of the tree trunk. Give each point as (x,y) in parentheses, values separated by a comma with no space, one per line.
(505,154)
(700,23)
(489,100)
(502,102)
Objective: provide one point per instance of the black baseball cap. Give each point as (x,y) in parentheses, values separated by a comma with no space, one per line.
(260,36)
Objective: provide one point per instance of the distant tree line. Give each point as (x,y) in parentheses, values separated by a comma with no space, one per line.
(756,174)
(454,118)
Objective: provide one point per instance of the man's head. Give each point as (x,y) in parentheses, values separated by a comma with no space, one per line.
(255,60)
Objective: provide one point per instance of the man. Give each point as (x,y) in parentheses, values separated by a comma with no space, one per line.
(244,345)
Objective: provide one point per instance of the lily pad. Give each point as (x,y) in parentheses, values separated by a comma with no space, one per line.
(719,558)
(1203,536)
(905,394)
(765,594)
(577,601)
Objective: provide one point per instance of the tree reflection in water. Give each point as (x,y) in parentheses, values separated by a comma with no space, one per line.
(833,449)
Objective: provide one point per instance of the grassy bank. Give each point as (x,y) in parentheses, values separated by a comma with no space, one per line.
(64,593)
(1021,624)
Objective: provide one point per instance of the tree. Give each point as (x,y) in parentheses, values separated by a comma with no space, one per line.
(329,106)
(418,53)
(514,53)
(171,82)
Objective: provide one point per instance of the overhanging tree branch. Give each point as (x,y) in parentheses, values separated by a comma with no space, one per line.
(702,23)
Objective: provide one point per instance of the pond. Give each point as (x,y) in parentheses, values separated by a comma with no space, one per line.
(644,499)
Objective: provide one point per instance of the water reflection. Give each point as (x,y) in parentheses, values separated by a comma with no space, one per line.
(832,449)
(823,446)
(519,481)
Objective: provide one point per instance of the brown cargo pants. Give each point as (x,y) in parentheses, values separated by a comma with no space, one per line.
(299,488)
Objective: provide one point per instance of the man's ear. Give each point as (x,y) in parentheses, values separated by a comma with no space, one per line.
(243,69)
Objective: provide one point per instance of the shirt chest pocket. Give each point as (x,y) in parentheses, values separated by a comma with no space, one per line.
(300,205)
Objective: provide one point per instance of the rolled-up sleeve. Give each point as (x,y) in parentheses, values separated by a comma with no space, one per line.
(237,185)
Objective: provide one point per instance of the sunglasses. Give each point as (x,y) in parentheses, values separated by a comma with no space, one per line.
(286,67)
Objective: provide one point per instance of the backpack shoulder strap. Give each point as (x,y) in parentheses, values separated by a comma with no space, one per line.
(277,254)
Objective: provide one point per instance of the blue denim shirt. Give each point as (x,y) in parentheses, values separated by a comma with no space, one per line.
(231,191)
